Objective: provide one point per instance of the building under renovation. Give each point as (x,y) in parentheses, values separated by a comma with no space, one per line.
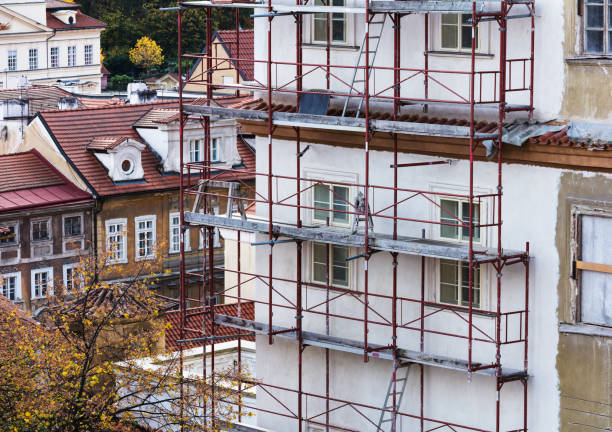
(432,207)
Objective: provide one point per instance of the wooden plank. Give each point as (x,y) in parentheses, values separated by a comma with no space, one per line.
(602,268)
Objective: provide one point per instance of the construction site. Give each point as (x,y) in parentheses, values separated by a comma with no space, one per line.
(388,294)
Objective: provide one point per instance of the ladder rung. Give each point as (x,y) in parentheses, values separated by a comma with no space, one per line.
(374,37)
(386,420)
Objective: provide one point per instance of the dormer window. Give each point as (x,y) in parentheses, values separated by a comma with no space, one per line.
(121,156)
(70,20)
(67,16)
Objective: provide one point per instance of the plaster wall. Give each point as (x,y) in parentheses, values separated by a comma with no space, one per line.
(548,53)
(529,214)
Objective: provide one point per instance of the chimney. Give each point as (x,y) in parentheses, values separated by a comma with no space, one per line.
(138,93)
(67,103)
(14,108)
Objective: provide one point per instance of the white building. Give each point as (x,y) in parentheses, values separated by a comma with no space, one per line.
(555,213)
(49,42)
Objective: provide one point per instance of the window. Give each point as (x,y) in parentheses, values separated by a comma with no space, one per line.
(338,265)
(594,264)
(327,197)
(456,32)
(10,286)
(456,212)
(204,234)
(54,56)
(195,150)
(145,236)
(71,56)
(598,26)
(454,283)
(72,278)
(116,233)
(11,238)
(73,226)
(215,150)
(12,60)
(337,25)
(42,282)
(88,54)
(227,80)
(33,59)
(40,230)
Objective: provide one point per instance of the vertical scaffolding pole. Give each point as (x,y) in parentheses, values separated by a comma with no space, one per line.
(298,169)
(269,178)
(526,352)
(239,291)
(366,251)
(182,220)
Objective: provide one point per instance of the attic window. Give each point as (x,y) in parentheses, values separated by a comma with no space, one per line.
(127,166)
(70,20)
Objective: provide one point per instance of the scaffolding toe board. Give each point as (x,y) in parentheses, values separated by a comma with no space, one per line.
(356,347)
(338,236)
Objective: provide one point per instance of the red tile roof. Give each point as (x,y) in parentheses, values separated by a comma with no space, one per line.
(105,143)
(194,319)
(75,129)
(82,21)
(39,97)
(101,102)
(30,181)
(227,38)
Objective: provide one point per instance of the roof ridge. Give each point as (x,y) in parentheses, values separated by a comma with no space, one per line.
(109,107)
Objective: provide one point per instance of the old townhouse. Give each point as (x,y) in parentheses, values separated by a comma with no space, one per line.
(127,157)
(49,42)
(393,290)
(228,46)
(48,224)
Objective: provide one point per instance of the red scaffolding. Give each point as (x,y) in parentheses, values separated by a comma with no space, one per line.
(486,88)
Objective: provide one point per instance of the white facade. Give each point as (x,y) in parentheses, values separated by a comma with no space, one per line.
(49,53)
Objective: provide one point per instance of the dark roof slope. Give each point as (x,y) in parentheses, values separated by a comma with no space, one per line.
(246,40)
(39,97)
(74,130)
(82,21)
(29,181)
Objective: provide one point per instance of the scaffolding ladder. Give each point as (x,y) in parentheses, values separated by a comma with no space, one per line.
(389,412)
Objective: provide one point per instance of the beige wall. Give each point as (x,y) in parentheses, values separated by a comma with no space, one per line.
(222,69)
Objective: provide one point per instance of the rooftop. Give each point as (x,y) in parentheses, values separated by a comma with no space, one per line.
(81,21)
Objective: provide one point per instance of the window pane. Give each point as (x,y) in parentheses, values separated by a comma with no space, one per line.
(449,37)
(340,197)
(594,41)
(319,252)
(466,37)
(448,281)
(340,272)
(320,27)
(337,25)
(321,201)
(465,231)
(450,19)
(594,16)
(449,214)
(610,40)
(465,284)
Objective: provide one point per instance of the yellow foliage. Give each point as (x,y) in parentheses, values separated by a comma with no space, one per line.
(146,53)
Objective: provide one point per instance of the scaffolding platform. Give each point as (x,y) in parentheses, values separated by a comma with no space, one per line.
(338,236)
(356,347)
(349,124)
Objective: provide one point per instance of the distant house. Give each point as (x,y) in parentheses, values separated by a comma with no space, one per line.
(227,71)
(168,81)
(127,156)
(46,222)
(105,76)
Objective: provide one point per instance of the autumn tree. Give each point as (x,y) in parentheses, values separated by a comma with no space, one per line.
(146,54)
(80,365)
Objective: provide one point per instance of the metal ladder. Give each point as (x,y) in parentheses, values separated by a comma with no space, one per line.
(388,416)
(375,29)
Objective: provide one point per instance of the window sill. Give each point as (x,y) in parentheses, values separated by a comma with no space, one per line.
(590,60)
(461,54)
(586,329)
(458,309)
(332,46)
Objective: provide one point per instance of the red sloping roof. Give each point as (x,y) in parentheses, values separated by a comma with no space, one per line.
(30,181)
(82,21)
(75,129)
(60,4)
(105,143)
(39,97)
(101,102)
(247,48)
(194,319)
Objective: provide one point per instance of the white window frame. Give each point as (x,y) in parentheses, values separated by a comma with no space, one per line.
(18,289)
(228,80)
(215,149)
(33,273)
(331,185)
(172,226)
(88,54)
(606,29)
(72,56)
(460,202)
(345,17)
(459,284)
(9,225)
(12,60)
(577,212)
(216,236)
(150,253)
(349,266)
(65,269)
(459,47)
(123,258)
(54,58)
(196,155)
(33,59)
(49,230)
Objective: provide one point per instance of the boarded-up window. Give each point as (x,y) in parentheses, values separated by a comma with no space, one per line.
(595,266)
